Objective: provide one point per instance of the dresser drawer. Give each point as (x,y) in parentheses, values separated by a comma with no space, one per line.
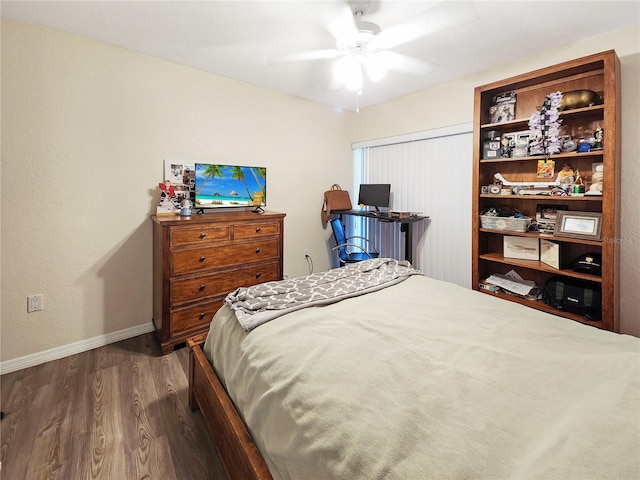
(222,282)
(193,318)
(201,259)
(253,230)
(201,235)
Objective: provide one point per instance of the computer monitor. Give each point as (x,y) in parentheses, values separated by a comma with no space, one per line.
(374,195)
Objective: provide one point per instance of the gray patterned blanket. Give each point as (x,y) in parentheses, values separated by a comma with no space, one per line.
(261,303)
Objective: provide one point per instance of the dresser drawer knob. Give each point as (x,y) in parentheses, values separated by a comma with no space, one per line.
(257,250)
(202,287)
(202,235)
(202,259)
(202,315)
(257,229)
(257,275)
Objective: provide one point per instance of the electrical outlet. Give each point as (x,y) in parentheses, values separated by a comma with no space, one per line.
(35,303)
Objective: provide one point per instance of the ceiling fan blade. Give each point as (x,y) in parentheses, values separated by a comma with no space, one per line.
(441,17)
(337,18)
(302,56)
(405,64)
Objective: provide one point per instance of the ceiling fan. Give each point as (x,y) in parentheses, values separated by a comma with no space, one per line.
(362,46)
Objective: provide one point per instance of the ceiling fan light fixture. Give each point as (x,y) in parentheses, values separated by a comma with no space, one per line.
(376,67)
(354,83)
(357,54)
(348,70)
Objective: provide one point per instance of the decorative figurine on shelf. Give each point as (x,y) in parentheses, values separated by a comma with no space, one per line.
(577,179)
(186,208)
(505,149)
(599,138)
(579,99)
(545,127)
(565,176)
(578,185)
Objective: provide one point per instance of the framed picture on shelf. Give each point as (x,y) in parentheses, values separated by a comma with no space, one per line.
(550,253)
(521,147)
(585,225)
(546,168)
(503,108)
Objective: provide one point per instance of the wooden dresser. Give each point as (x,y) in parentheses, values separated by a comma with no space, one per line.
(198,260)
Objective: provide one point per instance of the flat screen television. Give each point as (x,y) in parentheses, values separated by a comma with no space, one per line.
(230,186)
(374,195)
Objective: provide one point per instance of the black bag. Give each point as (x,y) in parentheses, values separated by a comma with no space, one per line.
(575,296)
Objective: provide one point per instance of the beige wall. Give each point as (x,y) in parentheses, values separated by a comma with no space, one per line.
(86,127)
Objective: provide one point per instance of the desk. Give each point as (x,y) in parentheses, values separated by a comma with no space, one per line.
(405,226)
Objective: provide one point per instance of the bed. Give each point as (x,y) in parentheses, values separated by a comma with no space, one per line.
(412,377)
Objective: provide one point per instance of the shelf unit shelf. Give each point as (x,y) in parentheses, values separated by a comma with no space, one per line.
(595,110)
(586,198)
(544,236)
(540,305)
(562,156)
(538,265)
(599,73)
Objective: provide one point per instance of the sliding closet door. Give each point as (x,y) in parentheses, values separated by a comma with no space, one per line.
(431,177)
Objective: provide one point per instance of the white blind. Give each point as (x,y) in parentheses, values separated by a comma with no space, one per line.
(431,177)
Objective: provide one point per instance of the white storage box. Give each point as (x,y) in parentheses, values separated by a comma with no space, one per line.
(525,248)
(512,224)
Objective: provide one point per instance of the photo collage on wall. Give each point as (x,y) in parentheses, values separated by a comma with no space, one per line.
(182,176)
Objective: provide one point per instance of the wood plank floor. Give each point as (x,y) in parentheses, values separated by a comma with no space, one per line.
(117,412)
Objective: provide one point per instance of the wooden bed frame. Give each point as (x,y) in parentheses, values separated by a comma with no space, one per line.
(238,453)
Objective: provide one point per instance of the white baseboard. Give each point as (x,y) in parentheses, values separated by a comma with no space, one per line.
(73,348)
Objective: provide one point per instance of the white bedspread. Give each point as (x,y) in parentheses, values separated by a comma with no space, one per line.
(426,379)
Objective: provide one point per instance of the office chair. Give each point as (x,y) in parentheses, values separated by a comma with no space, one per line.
(343,245)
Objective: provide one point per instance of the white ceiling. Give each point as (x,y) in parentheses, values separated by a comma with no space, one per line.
(236,38)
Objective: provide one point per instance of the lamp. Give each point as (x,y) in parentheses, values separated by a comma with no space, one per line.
(348,70)
(358,53)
